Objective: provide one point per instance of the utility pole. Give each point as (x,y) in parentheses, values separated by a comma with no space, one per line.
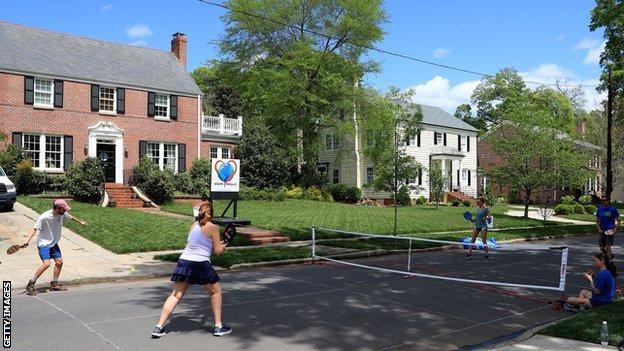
(396,173)
(609,126)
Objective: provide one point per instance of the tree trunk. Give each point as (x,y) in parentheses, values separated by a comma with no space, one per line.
(527,197)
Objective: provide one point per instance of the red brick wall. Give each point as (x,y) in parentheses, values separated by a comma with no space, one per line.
(205,147)
(75,117)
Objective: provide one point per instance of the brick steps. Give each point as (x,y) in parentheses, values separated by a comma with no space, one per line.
(458,195)
(261,236)
(123,196)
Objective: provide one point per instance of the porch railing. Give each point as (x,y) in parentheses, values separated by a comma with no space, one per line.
(222,125)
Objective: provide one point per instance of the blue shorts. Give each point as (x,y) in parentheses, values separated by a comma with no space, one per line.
(46,253)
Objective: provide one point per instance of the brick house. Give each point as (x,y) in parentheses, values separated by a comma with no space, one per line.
(63,98)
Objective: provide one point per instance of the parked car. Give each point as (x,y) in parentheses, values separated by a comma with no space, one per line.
(7,192)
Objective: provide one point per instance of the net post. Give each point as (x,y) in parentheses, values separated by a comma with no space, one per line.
(563,270)
(313,244)
(409,256)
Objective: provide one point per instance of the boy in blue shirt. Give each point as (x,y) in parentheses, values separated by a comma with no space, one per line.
(602,289)
(608,222)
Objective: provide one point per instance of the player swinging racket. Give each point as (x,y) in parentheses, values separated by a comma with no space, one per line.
(194,268)
(48,228)
(480,226)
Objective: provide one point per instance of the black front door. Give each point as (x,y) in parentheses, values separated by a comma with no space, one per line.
(106,154)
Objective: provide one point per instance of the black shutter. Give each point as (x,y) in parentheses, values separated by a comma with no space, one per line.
(17,139)
(58,93)
(173,104)
(68,153)
(121,101)
(444,139)
(142,149)
(459,142)
(435,138)
(468,177)
(418,139)
(29,90)
(181,158)
(420,176)
(151,104)
(458,178)
(468,143)
(95,97)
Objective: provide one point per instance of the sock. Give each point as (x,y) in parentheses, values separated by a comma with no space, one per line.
(54,280)
(33,280)
(159,326)
(218,325)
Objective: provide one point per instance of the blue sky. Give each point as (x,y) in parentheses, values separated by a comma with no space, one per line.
(544,40)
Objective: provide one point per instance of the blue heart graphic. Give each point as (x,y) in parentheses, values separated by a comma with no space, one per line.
(225,171)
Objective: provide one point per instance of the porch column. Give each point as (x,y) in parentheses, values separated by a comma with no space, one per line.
(444,174)
(459,177)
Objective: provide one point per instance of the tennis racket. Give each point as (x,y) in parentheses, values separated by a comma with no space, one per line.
(229,234)
(15,248)
(468,216)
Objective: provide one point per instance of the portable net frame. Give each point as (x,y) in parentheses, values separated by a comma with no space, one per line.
(514,265)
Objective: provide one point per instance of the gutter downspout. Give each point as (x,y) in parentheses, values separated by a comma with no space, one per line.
(199,126)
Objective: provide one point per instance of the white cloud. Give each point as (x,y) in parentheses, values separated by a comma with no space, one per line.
(107,7)
(594,48)
(439,91)
(138,31)
(559,38)
(139,43)
(439,53)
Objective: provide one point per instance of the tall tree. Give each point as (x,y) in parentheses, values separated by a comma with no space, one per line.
(493,94)
(464,112)
(436,183)
(300,81)
(219,96)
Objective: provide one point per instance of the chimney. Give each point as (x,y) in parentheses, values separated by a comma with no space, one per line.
(178,47)
(581,127)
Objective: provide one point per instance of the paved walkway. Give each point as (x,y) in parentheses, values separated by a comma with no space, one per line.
(84,260)
(534,214)
(549,343)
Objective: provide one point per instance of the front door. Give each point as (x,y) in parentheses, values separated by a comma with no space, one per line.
(106,154)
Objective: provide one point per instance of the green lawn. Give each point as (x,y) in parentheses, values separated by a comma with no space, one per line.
(121,230)
(295,217)
(256,254)
(581,217)
(586,325)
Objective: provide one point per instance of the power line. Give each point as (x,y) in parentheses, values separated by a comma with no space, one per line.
(383,51)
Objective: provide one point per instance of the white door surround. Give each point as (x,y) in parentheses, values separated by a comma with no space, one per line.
(111,132)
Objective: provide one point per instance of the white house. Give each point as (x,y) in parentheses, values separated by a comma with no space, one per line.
(443,138)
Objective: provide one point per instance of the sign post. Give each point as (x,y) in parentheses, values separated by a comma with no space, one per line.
(225,185)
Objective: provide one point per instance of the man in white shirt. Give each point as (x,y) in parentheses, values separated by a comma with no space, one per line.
(48,228)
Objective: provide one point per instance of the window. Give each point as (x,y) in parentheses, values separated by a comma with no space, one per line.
(161,106)
(163,155)
(462,143)
(214,152)
(332,142)
(219,152)
(336,176)
(45,151)
(107,99)
(439,137)
(43,92)
(369,174)
(225,152)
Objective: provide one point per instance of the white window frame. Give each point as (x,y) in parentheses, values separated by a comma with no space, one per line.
(42,151)
(168,107)
(219,152)
(161,154)
(114,111)
(332,142)
(464,176)
(439,138)
(372,174)
(336,179)
(463,141)
(51,92)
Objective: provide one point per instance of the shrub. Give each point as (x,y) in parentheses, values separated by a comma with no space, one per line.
(585,199)
(142,171)
(403,196)
(183,183)
(343,193)
(353,195)
(156,184)
(250,193)
(466,203)
(567,200)
(313,193)
(578,208)
(421,200)
(58,183)
(201,172)
(83,180)
(590,209)
(295,193)
(10,157)
(563,209)
(455,203)
(23,178)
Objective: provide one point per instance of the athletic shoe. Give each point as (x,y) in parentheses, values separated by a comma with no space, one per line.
(468,256)
(30,289)
(570,307)
(158,332)
(486,258)
(223,330)
(57,287)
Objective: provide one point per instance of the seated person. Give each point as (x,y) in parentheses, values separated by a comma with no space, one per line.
(602,289)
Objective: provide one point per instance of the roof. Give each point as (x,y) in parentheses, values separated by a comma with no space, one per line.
(34,51)
(438,117)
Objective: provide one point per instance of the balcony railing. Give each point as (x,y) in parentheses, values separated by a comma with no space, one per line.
(222,125)
(446,150)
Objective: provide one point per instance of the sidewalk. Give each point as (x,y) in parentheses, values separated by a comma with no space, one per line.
(549,343)
(534,214)
(83,260)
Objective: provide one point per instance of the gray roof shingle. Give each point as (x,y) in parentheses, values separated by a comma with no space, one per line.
(34,51)
(438,117)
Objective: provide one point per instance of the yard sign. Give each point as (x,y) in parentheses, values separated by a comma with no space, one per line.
(225,175)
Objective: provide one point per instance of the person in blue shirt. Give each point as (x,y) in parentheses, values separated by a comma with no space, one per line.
(608,223)
(602,287)
(480,226)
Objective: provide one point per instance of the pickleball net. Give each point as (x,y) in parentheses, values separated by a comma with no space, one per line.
(530,266)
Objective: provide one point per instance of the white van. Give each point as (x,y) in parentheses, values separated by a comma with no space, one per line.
(7,192)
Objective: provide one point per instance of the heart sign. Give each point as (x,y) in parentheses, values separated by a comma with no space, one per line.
(225,170)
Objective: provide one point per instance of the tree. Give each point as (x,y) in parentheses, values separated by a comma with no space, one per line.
(219,97)
(301,83)
(464,112)
(436,183)
(493,94)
